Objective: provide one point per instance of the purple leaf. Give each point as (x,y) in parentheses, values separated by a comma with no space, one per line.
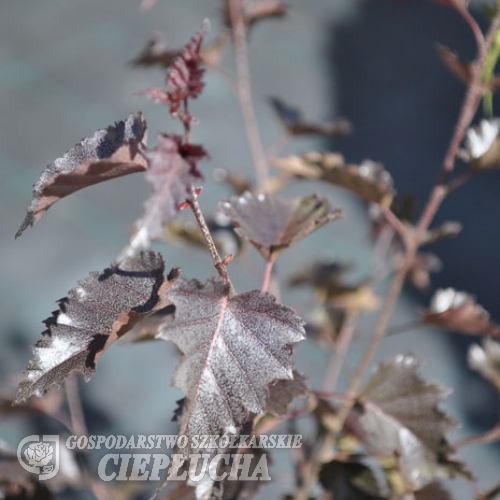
(99,310)
(109,153)
(173,168)
(283,392)
(398,416)
(233,348)
(272,224)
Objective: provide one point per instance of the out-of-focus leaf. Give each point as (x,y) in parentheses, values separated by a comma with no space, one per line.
(353,480)
(158,53)
(244,489)
(482,145)
(18,484)
(461,69)
(325,324)
(255,11)
(272,224)
(98,311)
(321,275)
(295,124)
(491,494)
(398,416)
(368,180)
(421,268)
(237,182)
(353,298)
(233,346)
(109,153)
(433,491)
(173,168)
(283,392)
(485,359)
(459,311)
(225,238)
(147,328)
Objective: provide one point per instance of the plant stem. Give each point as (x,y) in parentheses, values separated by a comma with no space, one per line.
(267,275)
(245,92)
(486,437)
(396,224)
(207,237)
(76,414)
(338,357)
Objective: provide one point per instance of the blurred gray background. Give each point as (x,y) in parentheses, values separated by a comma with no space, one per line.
(64,72)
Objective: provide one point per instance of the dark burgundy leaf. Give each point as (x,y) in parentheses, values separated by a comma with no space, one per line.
(459,311)
(398,416)
(295,125)
(283,392)
(272,224)
(233,347)
(109,153)
(349,480)
(461,69)
(99,310)
(486,360)
(433,491)
(173,168)
(368,180)
(184,79)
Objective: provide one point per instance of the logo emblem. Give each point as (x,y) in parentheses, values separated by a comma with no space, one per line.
(39,455)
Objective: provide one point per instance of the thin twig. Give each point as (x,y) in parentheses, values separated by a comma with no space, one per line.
(267,275)
(76,413)
(396,224)
(338,357)
(245,93)
(485,437)
(207,237)
(460,180)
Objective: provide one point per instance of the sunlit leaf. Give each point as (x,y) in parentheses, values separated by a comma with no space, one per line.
(485,359)
(272,224)
(459,311)
(233,346)
(109,153)
(368,180)
(94,314)
(482,145)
